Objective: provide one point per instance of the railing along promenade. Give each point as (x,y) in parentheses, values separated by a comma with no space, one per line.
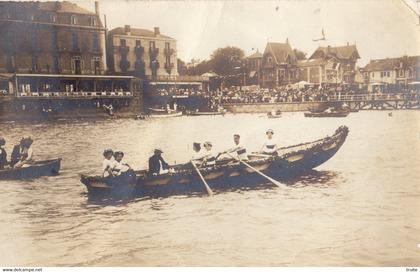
(74,95)
(354,101)
(373,97)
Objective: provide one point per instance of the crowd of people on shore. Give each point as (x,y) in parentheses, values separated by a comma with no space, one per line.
(22,154)
(282,94)
(175,91)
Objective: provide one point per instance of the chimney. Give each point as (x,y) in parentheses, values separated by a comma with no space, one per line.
(348,44)
(97,8)
(157,31)
(127,29)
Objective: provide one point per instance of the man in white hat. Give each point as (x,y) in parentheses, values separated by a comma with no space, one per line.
(270,146)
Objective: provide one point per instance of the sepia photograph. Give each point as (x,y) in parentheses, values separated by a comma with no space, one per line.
(179,134)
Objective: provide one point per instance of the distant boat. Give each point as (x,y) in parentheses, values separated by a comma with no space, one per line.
(35,170)
(274,114)
(163,113)
(198,113)
(166,115)
(327,114)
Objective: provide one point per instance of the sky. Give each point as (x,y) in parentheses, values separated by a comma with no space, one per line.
(379,28)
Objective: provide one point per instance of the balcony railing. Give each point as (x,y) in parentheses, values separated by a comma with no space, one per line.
(139,50)
(153,51)
(124,64)
(123,49)
(154,64)
(99,94)
(169,51)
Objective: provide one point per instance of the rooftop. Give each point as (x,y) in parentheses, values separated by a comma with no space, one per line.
(52,6)
(140,32)
(256,55)
(340,52)
(392,63)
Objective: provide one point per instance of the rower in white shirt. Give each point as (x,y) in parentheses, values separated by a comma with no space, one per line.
(270,146)
(238,151)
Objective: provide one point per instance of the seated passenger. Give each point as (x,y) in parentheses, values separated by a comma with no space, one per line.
(22,153)
(3,154)
(270,146)
(157,164)
(209,156)
(108,163)
(197,156)
(119,167)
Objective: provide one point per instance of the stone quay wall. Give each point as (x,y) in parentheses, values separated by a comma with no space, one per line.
(267,107)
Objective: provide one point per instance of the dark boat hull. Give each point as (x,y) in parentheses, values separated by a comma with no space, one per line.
(205,113)
(36,170)
(326,114)
(291,161)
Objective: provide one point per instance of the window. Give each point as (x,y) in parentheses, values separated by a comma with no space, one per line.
(401,73)
(92,21)
(75,41)
(269,60)
(95,43)
(372,75)
(138,43)
(96,65)
(56,64)
(123,42)
(54,40)
(53,18)
(34,40)
(152,44)
(388,74)
(73,20)
(34,63)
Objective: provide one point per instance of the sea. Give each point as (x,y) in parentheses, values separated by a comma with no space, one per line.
(360,208)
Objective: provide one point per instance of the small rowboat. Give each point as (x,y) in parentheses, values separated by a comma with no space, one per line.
(327,114)
(207,113)
(166,114)
(35,170)
(227,174)
(274,114)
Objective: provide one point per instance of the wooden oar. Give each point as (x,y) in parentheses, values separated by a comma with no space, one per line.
(209,191)
(259,172)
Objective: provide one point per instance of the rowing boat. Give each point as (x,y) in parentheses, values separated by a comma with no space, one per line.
(166,115)
(290,161)
(35,170)
(206,113)
(327,114)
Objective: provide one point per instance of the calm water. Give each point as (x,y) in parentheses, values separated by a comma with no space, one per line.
(361,208)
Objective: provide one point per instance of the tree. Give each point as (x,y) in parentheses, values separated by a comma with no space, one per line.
(226,61)
(182,67)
